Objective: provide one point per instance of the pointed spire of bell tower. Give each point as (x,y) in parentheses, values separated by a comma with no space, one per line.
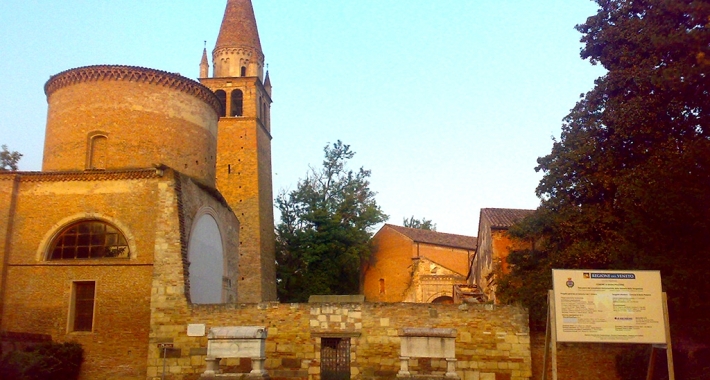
(237,52)
(204,64)
(267,83)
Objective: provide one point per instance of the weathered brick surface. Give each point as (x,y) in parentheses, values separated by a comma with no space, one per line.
(8,182)
(392,262)
(494,245)
(37,294)
(145,124)
(402,270)
(155,212)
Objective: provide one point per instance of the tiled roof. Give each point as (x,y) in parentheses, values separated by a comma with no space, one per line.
(238,28)
(89,175)
(436,238)
(503,218)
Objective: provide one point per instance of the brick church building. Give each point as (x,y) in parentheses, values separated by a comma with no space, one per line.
(152,218)
(153,187)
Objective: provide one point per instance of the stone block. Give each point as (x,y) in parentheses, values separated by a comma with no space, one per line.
(471,375)
(504,346)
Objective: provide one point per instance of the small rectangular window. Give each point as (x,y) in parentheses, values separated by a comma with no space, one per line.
(82,308)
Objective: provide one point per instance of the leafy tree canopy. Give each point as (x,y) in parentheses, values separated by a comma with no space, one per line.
(627,184)
(8,159)
(422,224)
(325,229)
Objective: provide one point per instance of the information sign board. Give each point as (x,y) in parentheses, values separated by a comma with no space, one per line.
(606,306)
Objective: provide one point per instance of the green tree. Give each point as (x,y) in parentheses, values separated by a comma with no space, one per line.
(325,229)
(8,159)
(422,224)
(627,184)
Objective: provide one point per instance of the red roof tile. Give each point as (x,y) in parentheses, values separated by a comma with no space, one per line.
(503,218)
(238,28)
(436,238)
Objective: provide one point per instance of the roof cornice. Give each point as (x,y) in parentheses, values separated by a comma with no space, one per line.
(135,74)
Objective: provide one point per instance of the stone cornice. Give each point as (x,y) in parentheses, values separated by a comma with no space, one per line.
(131,74)
(239,51)
(86,175)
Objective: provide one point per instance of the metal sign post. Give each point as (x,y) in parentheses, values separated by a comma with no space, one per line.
(164,347)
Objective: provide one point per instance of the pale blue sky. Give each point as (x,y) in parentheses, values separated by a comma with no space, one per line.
(448,102)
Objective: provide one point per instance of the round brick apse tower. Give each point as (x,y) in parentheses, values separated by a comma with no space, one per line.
(123,117)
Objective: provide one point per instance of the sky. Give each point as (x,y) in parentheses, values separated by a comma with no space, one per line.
(449,103)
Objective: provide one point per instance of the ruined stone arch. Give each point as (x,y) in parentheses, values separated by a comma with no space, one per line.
(208,265)
(441,296)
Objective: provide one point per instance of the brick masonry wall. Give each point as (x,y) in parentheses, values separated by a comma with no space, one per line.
(145,124)
(37,293)
(492,341)
(391,261)
(8,183)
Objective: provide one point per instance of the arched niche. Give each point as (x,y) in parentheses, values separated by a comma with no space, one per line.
(205,252)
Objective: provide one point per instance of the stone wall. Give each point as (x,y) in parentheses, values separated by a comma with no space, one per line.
(492,341)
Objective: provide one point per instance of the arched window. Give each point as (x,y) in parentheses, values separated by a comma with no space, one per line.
(89,239)
(244,71)
(222,96)
(237,103)
(97,152)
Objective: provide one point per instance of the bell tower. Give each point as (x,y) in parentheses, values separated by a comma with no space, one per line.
(244,145)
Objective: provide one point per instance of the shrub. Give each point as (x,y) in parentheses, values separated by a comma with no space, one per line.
(58,361)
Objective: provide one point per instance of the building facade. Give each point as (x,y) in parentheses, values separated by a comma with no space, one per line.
(414,265)
(494,245)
